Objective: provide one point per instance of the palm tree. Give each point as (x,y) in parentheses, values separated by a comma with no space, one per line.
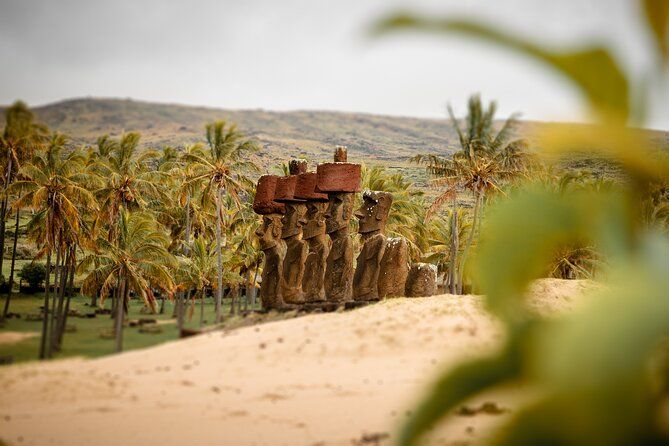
(54,186)
(200,271)
(129,180)
(139,262)
(484,161)
(20,137)
(222,170)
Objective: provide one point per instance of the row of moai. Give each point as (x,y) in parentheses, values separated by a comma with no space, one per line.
(305,236)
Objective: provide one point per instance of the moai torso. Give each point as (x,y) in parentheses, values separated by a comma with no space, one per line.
(368,265)
(339,268)
(275,251)
(296,254)
(314,267)
(339,263)
(372,216)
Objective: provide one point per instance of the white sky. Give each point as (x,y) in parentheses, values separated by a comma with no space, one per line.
(301,54)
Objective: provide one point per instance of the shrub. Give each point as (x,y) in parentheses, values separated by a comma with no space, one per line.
(34,274)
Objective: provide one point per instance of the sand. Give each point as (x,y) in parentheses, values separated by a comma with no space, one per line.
(323,379)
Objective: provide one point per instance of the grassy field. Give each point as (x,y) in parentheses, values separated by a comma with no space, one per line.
(86,340)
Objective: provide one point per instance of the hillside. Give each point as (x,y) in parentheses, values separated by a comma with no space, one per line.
(373,139)
(311,134)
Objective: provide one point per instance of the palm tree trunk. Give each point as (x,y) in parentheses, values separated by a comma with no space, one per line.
(5,311)
(118,322)
(202,294)
(179,305)
(3,207)
(68,292)
(219,260)
(247,289)
(470,239)
(56,290)
(233,299)
(253,288)
(455,246)
(45,320)
(58,326)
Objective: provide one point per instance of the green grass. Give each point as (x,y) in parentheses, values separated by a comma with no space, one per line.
(86,341)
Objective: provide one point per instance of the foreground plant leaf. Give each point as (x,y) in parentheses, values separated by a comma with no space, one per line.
(593,70)
(657,14)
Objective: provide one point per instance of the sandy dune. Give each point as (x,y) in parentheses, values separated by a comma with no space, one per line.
(326,379)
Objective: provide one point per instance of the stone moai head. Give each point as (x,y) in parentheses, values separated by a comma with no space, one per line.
(373,213)
(316,204)
(293,219)
(263,203)
(269,232)
(340,180)
(339,211)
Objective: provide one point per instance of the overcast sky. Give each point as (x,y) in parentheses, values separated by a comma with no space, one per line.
(299,54)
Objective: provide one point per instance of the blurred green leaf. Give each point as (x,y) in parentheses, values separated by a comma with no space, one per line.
(657,15)
(592,70)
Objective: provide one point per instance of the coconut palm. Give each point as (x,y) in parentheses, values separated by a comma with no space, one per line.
(200,271)
(55,188)
(20,138)
(129,182)
(138,261)
(222,170)
(443,249)
(485,160)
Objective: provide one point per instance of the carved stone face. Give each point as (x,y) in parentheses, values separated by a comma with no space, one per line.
(373,213)
(293,220)
(270,231)
(338,214)
(315,217)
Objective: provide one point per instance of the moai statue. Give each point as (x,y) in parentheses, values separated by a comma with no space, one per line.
(340,180)
(314,233)
(292,222)
(270,242)
(372,216)
(394,268)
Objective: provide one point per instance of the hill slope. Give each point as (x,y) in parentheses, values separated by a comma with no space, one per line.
(311,134)
(373,139)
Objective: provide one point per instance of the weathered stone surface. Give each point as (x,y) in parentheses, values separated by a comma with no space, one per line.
(305,188)
(263,202)
(394,268)
(422,280)
(339,177)
(275,251)
(296,253)
(285,189)
(338,281)
(372,216)
(341,154)
(313,232)
(297,166)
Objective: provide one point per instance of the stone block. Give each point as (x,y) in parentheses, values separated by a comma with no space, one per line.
(285,189)
(339,177)
(305,188)
(422,280)
(264,203)
(394,268)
